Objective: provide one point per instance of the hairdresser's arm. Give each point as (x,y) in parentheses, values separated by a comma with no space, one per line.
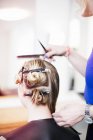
(78,61)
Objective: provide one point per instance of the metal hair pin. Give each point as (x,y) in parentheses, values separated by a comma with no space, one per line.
(27,94)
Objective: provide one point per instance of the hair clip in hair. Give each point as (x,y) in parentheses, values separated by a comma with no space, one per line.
(47,70)
(45,91)
(28,94)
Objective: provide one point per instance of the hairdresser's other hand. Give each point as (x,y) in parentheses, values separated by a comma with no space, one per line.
(70,115)
(55,50)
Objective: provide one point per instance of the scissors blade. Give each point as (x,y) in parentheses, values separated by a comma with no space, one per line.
(43,47)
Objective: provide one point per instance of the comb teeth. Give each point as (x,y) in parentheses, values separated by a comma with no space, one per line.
(30,56)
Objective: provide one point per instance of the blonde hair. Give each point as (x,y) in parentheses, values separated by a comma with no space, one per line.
(41,79)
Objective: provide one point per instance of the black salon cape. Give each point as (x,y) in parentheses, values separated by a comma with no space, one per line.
(90,132)
(44,129)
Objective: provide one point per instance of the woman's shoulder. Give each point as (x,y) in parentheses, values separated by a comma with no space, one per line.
(18,132)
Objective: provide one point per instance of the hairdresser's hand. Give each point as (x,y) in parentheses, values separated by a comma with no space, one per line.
(70,115)
(55,50)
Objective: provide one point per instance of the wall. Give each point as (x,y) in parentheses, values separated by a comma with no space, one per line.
(50,23)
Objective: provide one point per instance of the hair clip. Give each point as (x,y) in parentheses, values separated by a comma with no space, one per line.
(45,90)
(27,94)
(47,70)
(36,70)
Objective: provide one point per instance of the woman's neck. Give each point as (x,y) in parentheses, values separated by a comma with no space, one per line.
(38,112)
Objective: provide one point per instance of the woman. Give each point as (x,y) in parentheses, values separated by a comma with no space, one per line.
(74,114)
(38,87)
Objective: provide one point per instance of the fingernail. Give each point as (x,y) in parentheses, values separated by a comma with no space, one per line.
(45,56)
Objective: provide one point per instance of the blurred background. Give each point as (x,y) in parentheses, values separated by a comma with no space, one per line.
(22,24)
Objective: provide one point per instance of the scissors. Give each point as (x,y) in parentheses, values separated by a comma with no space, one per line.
(34,55)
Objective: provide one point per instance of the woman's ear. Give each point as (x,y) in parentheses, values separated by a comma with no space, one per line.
(18,79)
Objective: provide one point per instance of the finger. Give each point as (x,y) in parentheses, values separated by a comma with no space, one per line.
(49,54)
(47,59)
(50,60)
(58,119)
(67,125)
(56,114)
(73,122)
(62,123)
(48,49)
